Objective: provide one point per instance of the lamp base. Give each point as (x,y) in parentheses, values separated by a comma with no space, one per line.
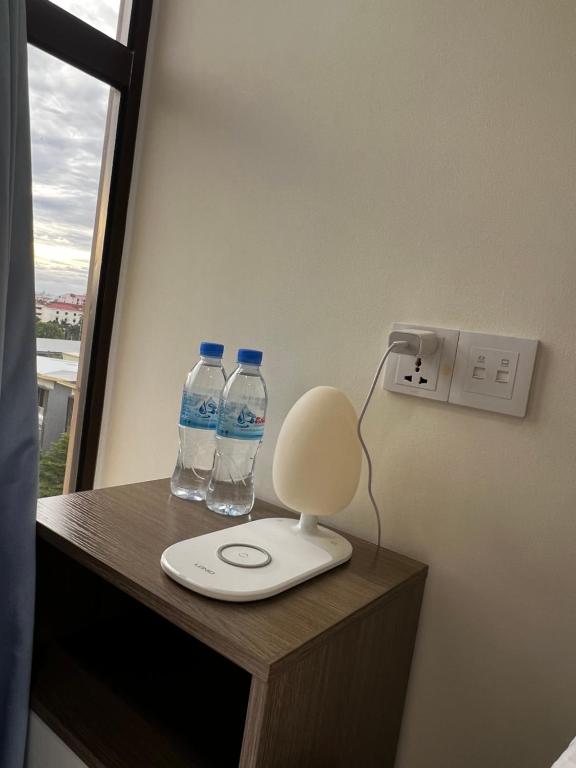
(255,560)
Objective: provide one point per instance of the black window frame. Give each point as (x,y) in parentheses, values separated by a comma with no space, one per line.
(72,40)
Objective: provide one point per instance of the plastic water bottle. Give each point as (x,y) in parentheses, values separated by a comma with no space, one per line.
(241,419)
(197,426)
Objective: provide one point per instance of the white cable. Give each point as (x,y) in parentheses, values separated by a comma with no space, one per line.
(392,346)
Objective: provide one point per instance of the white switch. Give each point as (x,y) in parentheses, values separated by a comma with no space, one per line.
(493,373)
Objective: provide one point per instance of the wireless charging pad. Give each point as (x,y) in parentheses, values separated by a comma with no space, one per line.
(255,560)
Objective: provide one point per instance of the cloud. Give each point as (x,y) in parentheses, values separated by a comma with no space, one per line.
(68,111)
(60,270)
(102,14)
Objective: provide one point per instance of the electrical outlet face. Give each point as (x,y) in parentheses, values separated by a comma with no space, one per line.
(478,370)
(419,372)
(428,376)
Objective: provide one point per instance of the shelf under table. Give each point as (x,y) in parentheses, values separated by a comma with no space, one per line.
(123,687)
(132,670)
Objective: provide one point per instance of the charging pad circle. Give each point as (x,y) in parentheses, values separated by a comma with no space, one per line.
(244,555)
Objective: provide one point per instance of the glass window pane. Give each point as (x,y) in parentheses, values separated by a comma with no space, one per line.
(102,14)
(68,117)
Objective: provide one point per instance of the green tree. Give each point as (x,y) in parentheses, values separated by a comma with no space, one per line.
(50,330)
(73,332)
(53,466)
(59,330)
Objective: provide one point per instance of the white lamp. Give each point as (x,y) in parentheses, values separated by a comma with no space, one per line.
(318,456)
(316,472)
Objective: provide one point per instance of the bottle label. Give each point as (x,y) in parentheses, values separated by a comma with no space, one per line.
(199,411)
(237,420)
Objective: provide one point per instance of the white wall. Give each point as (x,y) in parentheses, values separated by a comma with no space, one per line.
(311,172)
(48,315)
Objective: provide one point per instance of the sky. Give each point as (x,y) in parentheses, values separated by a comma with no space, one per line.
(67,120)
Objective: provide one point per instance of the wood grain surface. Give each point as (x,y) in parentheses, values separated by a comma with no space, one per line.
(342,704)
(120,533)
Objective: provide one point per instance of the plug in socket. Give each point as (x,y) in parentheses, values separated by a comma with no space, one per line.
(426,376)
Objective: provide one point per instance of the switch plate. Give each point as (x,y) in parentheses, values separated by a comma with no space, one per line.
(431,379)
(493,373)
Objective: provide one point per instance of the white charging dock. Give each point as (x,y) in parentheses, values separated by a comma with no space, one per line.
(255,560)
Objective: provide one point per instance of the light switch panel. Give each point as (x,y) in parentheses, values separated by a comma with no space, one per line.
(493,373)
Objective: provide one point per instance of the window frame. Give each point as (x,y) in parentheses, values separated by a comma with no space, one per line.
(65,36)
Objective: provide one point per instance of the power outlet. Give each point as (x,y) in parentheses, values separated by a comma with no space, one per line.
(419,372)
(429,376)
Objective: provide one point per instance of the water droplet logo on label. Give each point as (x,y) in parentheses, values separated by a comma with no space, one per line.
(199,411)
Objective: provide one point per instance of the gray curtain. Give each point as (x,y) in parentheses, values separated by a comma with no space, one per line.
(18,392)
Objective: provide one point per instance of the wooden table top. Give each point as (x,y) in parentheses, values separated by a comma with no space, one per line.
(121,532)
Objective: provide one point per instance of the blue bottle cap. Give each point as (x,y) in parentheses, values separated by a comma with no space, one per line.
(207,349)
(249,356)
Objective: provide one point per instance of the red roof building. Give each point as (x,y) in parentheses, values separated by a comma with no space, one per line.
(62,312)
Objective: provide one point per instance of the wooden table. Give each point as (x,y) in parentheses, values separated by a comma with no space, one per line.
(132,670)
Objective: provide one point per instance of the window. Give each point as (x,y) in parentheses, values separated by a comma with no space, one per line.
(103,14)
(86,63)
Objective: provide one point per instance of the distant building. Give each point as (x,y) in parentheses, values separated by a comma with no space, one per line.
(57,371)
(61,312)
(41,300)
(78,299)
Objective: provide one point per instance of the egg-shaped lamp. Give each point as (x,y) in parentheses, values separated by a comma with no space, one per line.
(318,455)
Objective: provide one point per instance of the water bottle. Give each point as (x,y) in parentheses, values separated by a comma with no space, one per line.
(241,418)
(197,426)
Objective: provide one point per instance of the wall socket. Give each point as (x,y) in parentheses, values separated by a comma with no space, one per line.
(478,370)
(419,372)
(429,376)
